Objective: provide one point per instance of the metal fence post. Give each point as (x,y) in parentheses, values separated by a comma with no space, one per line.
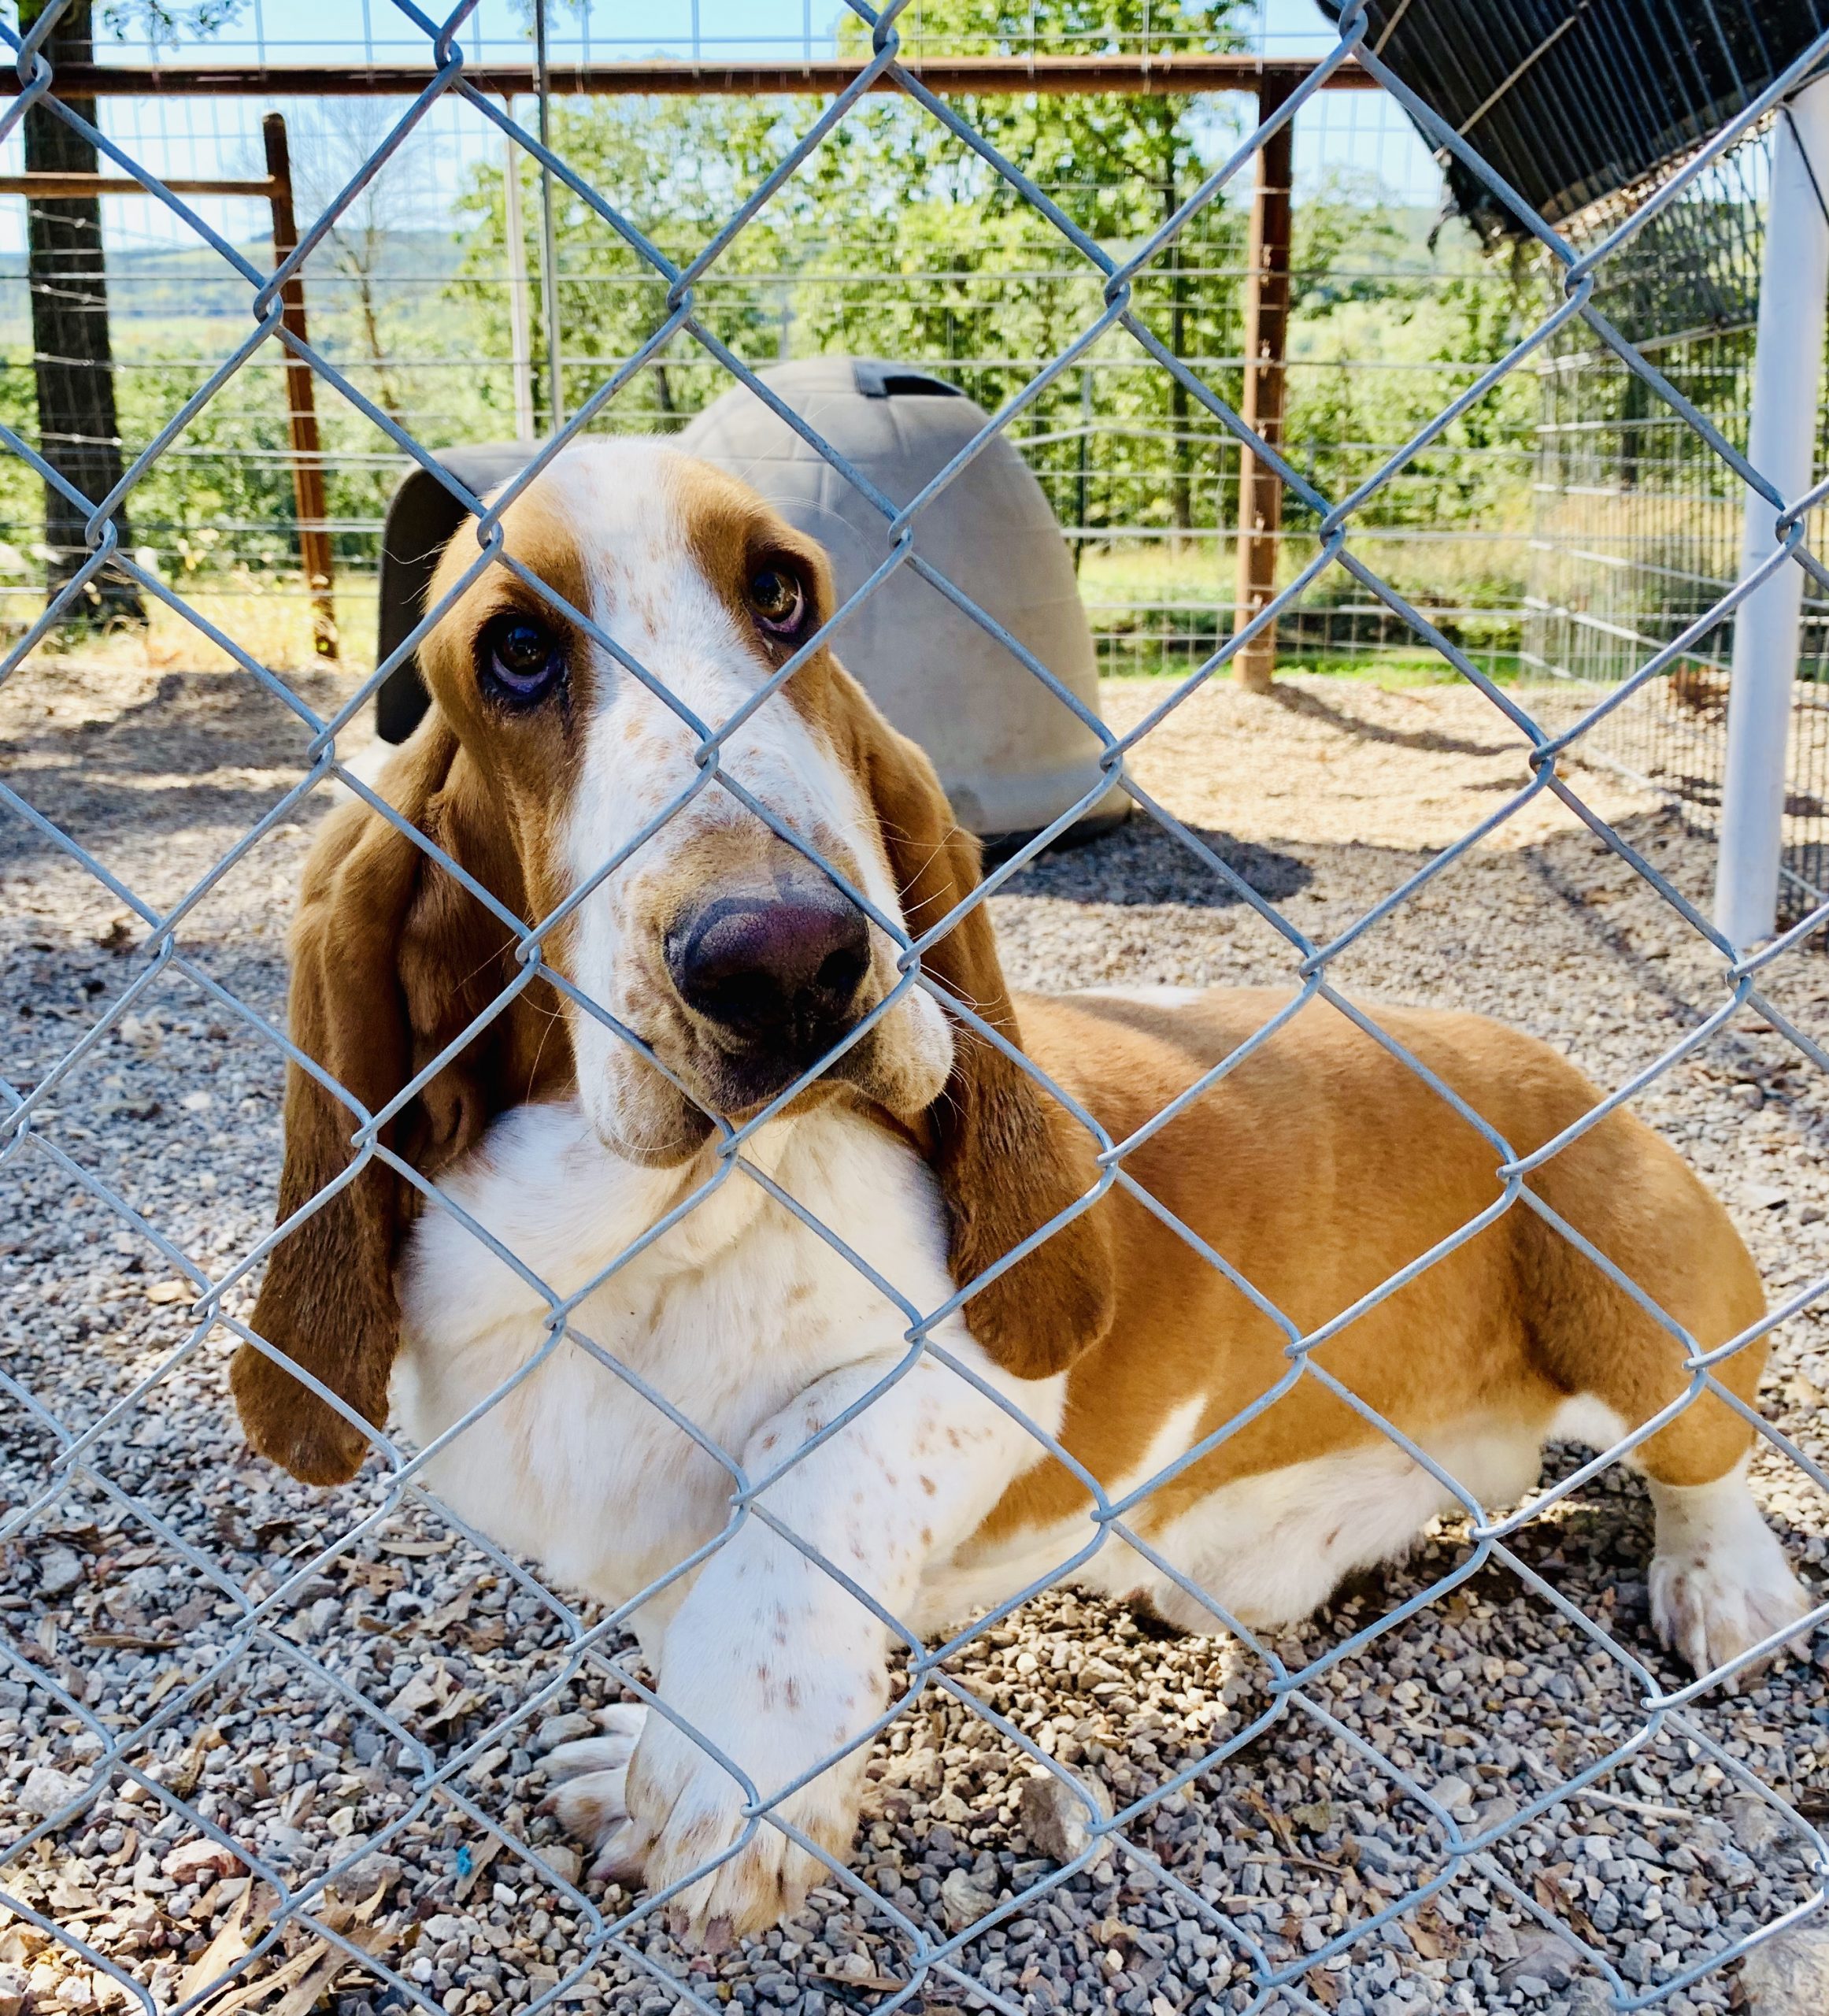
(549,241)
(1260,404)
(1787,377)
(314,553)
(519,291)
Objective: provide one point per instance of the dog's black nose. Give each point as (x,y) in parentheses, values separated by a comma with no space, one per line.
(783,967)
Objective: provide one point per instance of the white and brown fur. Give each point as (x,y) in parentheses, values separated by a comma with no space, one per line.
(1319,1167)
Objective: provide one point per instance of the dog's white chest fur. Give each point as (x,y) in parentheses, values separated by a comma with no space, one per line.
(729,1332)
(723,1318)
(728,1315)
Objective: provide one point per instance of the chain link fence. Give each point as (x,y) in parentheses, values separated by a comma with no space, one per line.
(1637,527)
(1142,478)
(276,1749)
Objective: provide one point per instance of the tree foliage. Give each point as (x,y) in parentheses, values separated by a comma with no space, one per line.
(897,238)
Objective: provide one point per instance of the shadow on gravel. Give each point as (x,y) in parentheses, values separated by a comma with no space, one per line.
(103,815)
(164,761)
(179,721)
(1140,862)
(1300,700)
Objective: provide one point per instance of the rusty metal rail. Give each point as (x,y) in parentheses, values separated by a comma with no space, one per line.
(1150,76)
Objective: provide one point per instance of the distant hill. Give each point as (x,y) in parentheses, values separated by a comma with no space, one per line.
(164,284)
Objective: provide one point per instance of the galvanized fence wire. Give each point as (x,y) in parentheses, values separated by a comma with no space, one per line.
(1634,530)
(936,1964)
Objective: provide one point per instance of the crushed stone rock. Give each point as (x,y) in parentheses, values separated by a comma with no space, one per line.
(1328,798)
(46,1790)
(964,1902)
(60,1569)
(1788,1975)
(1054,1816)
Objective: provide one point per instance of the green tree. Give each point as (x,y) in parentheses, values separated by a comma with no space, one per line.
(896,239)
(1118,167)
(79,427)
(673,169)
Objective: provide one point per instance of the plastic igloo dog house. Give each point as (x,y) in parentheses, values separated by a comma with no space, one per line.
(1011,757)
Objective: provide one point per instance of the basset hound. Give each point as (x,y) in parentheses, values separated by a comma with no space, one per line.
(732,1418)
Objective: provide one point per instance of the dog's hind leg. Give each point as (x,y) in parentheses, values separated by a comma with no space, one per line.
(1719,1582)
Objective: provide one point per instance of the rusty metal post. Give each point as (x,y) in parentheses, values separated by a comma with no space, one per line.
(1266,338)
(314,553)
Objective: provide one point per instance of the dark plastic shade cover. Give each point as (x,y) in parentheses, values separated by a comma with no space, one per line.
(1571,101)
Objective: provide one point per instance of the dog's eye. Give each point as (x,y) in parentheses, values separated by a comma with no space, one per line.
(778,599)
(520,659)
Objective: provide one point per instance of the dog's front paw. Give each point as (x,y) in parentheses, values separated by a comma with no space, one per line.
(688,1815)
(590,1795)
(1711,1601)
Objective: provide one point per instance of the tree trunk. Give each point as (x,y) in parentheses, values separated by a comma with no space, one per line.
(79,433)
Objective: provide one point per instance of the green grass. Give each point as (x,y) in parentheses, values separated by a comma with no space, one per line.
(1390,671)
(1396,670)
(1158,614)
(1200,576)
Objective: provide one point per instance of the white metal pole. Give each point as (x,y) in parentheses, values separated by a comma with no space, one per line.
(1787,377)
(549,248)
(520,292)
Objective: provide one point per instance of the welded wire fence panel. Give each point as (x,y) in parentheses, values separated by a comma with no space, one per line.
(267,1747)
(1638,533)
(423,319)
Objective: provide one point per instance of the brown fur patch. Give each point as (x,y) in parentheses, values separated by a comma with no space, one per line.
(1009,1158)
(528,761)
(392,959)
(1320,1167)
(732,534)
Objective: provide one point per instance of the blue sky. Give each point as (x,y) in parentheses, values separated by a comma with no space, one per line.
(1358,134)
(292,30)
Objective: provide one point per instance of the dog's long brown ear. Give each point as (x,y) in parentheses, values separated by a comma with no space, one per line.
(365,1004)
(1008,1156)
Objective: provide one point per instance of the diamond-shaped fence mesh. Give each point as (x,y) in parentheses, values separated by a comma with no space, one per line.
(1638,534)
(917,1667)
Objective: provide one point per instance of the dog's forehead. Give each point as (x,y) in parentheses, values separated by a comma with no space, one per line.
(617,500)
(628,512)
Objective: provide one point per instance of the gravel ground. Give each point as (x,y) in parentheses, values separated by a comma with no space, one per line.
(124,1590)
